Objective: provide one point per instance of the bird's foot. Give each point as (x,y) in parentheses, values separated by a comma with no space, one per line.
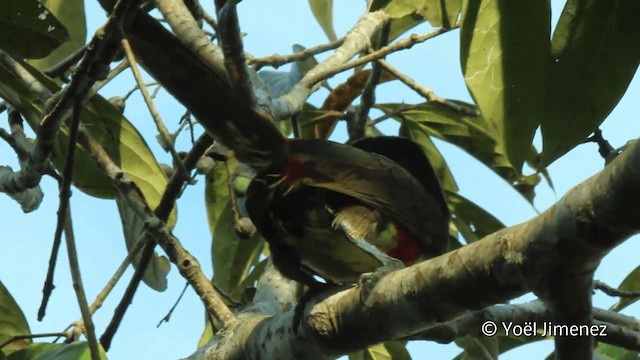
(369,280)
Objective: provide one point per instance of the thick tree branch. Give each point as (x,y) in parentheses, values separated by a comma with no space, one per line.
(569,238)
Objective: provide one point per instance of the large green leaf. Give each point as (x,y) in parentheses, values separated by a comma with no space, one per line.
(78,350)
(71,14)
(323,12)
(107,125)
(232,255)
(595,53)
(504,54)
(12,322)
(29,30)
(472,134)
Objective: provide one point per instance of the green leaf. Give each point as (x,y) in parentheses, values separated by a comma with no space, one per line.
(107,125)
(504,56)
(438,12)
(29,30)
(390,350)
(503,344)
(12,322)
(472,221)
(401,25)
(78,350)
(71,14)
(594,54)
(441,13)
(630,283)
(605,351)
(232,255)
(35,351)
(323,12)
(472,134)
(484,348)
(216,194)
(133,227)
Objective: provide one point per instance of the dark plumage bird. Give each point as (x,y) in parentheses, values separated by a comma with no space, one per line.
(339,211)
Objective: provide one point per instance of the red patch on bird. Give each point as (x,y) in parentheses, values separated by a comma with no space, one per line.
(294,171)
(406,249)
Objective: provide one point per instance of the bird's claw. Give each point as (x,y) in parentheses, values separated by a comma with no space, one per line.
(369,280)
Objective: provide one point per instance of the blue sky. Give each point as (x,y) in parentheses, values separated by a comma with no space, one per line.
(271,27)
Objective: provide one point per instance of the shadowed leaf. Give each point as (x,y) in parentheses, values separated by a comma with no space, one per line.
(502,42)
(12,322)
(595,53)
(29,30)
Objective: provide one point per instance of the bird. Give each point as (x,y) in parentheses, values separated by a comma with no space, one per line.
(335,212)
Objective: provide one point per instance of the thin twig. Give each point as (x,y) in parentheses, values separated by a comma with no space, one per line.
(425,92)
(397,111)
(277,60)
(165,138)
(167,317)
(611,291)
(29,336)
(88,327)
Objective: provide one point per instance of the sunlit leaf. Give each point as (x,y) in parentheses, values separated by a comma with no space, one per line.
(12,322)
(437,12)
(108,126)
(323,12)
(595,53)
(71,14)
(504,55)
(29,30)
